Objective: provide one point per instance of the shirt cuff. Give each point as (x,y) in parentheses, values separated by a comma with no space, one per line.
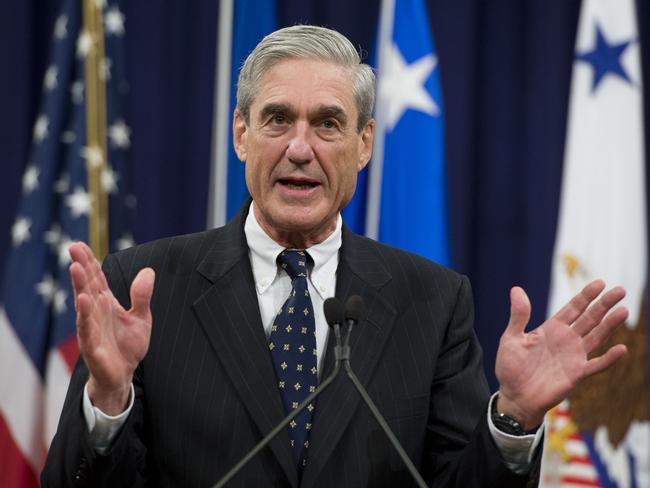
(517,451)
(104,428)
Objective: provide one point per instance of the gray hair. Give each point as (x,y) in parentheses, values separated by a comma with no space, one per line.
(306,42)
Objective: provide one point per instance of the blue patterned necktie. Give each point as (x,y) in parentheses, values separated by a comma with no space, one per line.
(293,349)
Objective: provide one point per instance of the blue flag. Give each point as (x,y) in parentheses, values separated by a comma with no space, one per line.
(38,345)
(406,204)
(242,25)
(253,19)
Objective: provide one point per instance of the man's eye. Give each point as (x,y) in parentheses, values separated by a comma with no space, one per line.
(279,119)
(329,124)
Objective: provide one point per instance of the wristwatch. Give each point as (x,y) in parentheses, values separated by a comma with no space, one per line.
(507,424)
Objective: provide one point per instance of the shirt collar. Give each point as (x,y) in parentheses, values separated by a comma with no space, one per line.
(264,252)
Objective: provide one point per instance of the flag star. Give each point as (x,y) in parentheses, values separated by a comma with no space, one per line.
(109,180)
(62,251)
(605,58)
(60,297)
(120,134)
(84,44)
(79,202)
(20,231)
(53,236)
(51,76)
(125,242)
(130,201)
(114,21)
(105,65)
(41,128)
(30,179)
(62,185)
(61,27)
(46,288)
(68,137)
(401,86)
(93,155)
(77,91)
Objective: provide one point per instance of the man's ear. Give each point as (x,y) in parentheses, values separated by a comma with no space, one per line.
(239,135)
(366,139)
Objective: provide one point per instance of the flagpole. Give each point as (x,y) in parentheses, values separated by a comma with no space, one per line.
(373,206)
(217,201)
(95,150)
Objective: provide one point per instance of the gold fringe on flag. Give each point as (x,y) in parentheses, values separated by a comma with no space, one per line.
(95,151)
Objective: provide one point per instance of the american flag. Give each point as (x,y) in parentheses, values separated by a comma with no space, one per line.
(38,347)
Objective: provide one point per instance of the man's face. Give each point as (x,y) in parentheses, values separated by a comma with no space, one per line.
(302,149)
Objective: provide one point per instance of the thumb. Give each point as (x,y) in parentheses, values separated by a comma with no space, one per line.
(141,291)
(519,311)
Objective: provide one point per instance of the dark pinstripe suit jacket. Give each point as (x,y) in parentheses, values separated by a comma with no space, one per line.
(206,391)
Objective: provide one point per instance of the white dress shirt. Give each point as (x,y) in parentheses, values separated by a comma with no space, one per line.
(273,286)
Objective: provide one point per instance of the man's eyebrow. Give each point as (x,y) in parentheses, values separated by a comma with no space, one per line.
(274,109)
(334,111)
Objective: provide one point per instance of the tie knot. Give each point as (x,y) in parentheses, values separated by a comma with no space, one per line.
(294,262)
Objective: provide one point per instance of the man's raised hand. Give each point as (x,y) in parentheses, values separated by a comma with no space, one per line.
(538,369)
(112,340)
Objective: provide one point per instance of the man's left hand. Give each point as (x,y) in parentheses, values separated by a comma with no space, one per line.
(538,369)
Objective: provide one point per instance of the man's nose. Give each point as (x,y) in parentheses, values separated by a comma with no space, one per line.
(300,150)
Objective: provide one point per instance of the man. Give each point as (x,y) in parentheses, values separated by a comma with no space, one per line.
(183,373)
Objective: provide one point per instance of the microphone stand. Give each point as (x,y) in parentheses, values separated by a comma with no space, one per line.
(375,411)
(341,356)
(339,353)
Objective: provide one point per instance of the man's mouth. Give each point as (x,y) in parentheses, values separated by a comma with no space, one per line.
(298,184)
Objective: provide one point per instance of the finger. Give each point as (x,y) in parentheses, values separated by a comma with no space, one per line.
(594,314)
(598,335)
(78,278)
(81,253)
(77,253)
(601,363)
(87,333)
(579,303)
(519,311)
(141,291)
(97,280)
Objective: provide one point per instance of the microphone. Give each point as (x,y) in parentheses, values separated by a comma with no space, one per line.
(335,316)
(353,310)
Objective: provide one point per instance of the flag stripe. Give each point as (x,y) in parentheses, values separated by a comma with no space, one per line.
(21,401)
(15,471)
(69,351)
(57,378)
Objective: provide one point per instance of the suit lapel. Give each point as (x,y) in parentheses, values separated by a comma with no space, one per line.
(229,313)
(360,272)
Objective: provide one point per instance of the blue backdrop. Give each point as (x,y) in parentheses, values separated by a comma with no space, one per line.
(505,70)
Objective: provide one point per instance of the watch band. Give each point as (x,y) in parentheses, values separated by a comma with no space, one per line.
(506,423)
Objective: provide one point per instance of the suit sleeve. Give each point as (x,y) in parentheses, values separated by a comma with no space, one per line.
(72,461)
(460,451)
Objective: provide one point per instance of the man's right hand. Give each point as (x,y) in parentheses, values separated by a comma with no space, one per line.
(111,339)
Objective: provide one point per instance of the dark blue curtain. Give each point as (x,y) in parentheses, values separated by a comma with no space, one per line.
(505,68)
